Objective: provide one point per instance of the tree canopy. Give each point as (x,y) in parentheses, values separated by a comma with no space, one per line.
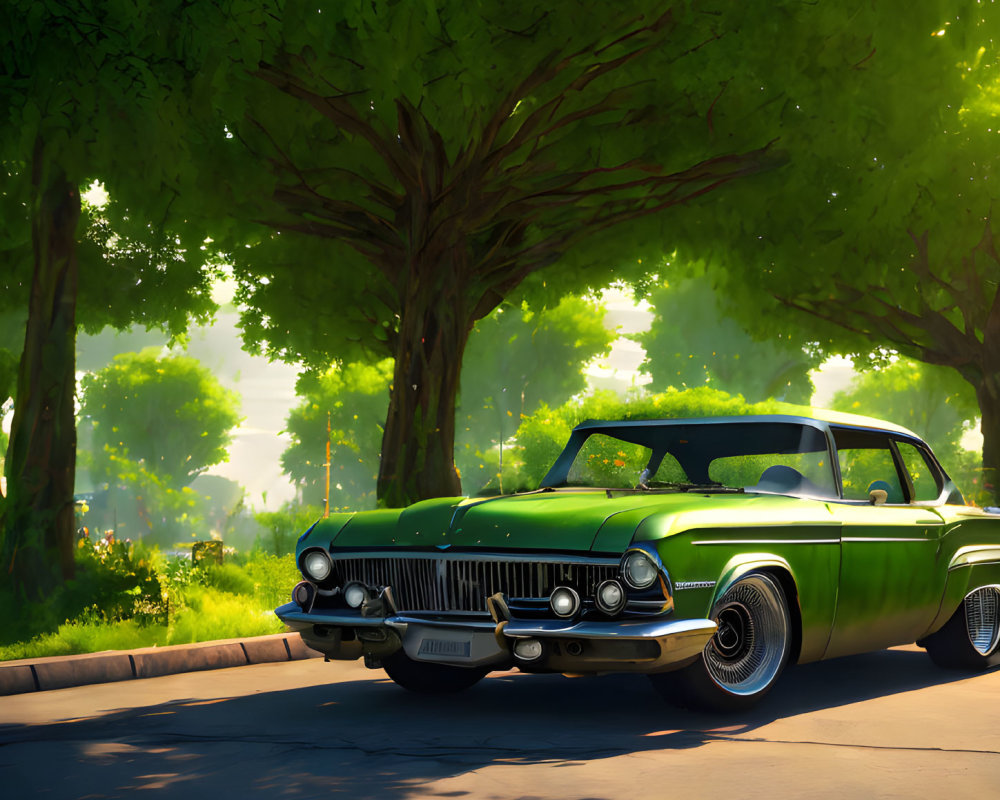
(426,160)
(878,232)
(166,413)
(691,342)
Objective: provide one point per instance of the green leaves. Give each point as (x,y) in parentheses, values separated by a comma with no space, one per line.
(128,405)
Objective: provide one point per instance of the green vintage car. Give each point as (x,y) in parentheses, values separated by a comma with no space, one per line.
(705,553)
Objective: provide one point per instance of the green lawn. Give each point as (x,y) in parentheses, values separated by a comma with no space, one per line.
(125,596)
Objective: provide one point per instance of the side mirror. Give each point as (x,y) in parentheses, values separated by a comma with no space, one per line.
(877,497)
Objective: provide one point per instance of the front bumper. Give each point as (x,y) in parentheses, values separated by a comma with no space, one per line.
(657,645)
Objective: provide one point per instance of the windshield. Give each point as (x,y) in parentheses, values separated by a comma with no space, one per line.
(777,457)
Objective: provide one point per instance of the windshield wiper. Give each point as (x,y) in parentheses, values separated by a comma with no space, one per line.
(684,486)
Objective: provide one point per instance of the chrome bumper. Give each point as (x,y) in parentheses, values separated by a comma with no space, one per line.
(656,645)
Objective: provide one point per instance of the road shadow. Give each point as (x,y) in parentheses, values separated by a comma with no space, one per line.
(370,739)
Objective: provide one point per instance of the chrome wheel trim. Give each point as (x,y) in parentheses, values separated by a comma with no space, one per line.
(982,619)
(747,653)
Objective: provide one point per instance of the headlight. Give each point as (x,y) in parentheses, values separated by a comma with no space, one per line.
(610,597)
(638,570)
(317,565)
(355,595)
(565,602)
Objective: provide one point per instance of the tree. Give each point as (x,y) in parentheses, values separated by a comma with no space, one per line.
(692,343)
(427,160)
(353,398)
(502,379)
(166,413)
(518,359)
(878,233)
(149,425)
(934,402)
(81,83)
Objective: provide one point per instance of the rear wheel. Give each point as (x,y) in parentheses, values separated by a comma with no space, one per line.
(971,638)
(427,678)
(745,657)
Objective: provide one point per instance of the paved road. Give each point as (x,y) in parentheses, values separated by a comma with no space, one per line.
(887,724)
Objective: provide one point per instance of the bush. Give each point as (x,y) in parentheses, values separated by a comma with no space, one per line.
(126,596)
(542,436)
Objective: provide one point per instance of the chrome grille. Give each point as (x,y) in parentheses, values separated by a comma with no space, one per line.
(437,583)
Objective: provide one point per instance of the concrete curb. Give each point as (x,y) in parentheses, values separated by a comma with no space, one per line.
(59,672)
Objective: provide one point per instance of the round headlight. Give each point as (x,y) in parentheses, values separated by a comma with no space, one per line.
(303,594)
(355,594)
(528,649)
(565,602)
(638,570)
(610,597)
(317,565)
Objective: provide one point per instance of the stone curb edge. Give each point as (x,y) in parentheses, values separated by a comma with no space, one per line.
(60,672)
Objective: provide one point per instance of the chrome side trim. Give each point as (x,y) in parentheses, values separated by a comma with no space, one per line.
(767,541)
(886,539)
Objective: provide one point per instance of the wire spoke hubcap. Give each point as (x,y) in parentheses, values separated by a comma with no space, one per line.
(747,652)
(982,619)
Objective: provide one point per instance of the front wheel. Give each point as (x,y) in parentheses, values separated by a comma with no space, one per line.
(970,639)
(745,657)
(427,678)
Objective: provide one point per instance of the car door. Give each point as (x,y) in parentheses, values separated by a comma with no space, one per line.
(890,580)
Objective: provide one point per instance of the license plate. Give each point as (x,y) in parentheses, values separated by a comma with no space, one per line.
(445,647)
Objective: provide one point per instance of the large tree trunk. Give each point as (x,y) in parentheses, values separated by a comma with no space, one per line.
(418,445)
(988,395)
(38,519)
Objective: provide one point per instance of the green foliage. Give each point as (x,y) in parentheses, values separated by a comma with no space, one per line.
(354,399)
(149,425)
(127,596)
(933,402)
(877,235)
(518,359)
(543,434)
(167,415)
(692,343)
(465,149)
(282,528)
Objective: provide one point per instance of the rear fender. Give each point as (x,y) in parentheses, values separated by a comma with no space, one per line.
(970,568)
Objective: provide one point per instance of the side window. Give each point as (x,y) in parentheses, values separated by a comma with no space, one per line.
(923,477)
(866,463)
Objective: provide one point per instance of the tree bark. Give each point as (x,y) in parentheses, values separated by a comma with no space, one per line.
(988,395)
(38,515)
(418,445)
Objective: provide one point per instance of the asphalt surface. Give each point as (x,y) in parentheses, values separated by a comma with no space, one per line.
(60,672)
(885,725)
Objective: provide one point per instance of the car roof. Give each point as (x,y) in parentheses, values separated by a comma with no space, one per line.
(815,417)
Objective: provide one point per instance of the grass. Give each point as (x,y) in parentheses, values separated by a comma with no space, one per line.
(126,597)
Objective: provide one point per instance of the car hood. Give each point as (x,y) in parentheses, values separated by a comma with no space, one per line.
(596,521)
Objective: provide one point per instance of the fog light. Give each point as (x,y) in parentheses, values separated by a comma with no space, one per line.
(638,570)
(355,594)
(610,597)
(303,594)
(317,565)
(565,602)
(528,649)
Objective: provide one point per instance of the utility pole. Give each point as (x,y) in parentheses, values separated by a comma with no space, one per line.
(326,502)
